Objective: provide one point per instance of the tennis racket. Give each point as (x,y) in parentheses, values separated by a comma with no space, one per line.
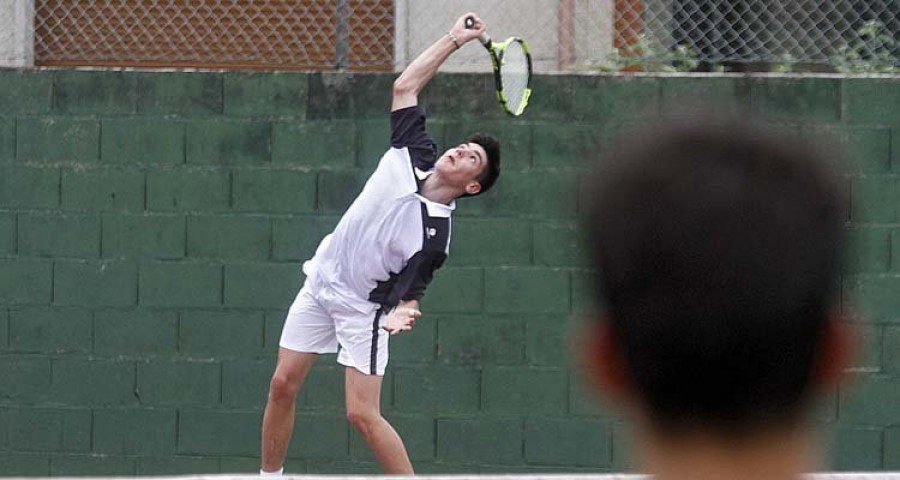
(512,70)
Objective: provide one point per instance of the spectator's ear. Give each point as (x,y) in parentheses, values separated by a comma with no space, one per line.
(839,347)
(604,365)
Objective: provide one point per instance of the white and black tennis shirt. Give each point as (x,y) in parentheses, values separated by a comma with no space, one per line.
(391,240)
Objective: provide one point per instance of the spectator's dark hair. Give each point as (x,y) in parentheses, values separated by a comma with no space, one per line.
(718,248)
(491,171)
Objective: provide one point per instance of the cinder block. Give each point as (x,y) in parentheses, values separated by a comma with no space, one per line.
(26,379)
(142,141)
(865,150)
(891,350)
(329,96)
(515,141)
(251,465)
(273,191)
(209,333)
(419,346)
(320,436)
(869,249)
(266,94)
(7,233)
(568,146)
(228,142)
(135,333)
(59,235)
(108,189)
(48,430)
(25,464)
(443,389)
(109,283)
(873,296)
(93,382)
(7,139)
(857,449)
(549,341)
(526,290)
(375,140)
(26,91)
(323,389)
(371,94)
(4,340)
(585,299)
(538,194)
(50,330)
(476,340)
(179,93)
(559,244)
(614,100)
(188,190)
(245,383)
(417,431)
(296,238)
(134,431)
(891,448)
(179,383)
(686,97)
(552,97)
(871,100)
(27,187)
(874,200)
(461,96)
(94,93)
(567,441)
(533,390)
(623,448)
(455,290)
(180,285)
(240,237)
(274,324)
(160,237)
(895,250)
(479,440)
(90,464)
(337,190)
(261,285)
(490,241)
(26,282)
(869,356)
(322,144)
(178,465)
(857,407)
(796,99)
(74,140)
(219,432)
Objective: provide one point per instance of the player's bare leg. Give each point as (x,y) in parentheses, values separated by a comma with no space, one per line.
(364,413)
(278,420)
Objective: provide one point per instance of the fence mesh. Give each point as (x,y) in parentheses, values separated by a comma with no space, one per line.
(565,35)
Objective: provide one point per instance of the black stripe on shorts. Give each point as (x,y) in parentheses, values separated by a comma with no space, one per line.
(373,362)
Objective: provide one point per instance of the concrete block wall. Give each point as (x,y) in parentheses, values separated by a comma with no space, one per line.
(152,226)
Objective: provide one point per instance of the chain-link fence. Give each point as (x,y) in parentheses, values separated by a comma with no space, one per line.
(565,35)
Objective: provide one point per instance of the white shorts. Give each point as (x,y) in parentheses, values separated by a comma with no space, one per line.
(320,322)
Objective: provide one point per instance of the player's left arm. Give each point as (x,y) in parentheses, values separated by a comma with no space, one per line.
(422,69)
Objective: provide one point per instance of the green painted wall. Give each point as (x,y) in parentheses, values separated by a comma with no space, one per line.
(152,226)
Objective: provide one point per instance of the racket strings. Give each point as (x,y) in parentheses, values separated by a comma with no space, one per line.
(514,76)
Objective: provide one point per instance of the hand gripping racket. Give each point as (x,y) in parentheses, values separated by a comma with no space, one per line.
(512,70)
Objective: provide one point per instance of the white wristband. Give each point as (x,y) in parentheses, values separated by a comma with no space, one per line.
(453,39)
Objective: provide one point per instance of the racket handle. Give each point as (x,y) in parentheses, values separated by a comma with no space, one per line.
(470,24)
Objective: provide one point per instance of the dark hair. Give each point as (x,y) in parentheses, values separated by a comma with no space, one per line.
(718,249)
(491,171)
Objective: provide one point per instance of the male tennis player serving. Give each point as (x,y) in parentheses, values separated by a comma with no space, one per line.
(367,277)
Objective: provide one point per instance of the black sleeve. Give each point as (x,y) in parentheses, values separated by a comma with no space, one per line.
(408,130)
(422,274)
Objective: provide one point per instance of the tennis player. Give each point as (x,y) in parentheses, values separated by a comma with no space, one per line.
(367,277)
(718,255)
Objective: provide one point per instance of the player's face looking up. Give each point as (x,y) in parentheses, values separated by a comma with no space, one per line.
(462,165)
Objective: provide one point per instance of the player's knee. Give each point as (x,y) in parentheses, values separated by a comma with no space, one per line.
(363,419)
(283,388)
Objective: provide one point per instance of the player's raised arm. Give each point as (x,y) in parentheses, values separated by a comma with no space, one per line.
(419,72)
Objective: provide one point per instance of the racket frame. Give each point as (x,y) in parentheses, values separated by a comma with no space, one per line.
(497,51)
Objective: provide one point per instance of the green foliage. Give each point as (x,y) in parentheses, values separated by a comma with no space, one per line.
(646,57)
(871,53)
